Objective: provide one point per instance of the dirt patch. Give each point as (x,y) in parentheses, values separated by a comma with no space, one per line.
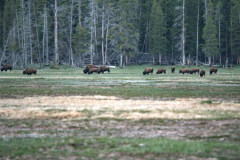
(113,107)
(219,130)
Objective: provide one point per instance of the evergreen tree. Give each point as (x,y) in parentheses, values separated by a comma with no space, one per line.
(80,41)
(235,18)
(209,35)
(157,31)
(218,19)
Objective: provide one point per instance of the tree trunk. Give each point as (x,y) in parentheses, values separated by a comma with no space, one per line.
(209,61)
(205,5)
(106,43)
(226,62)
(47,48)
(38,44)
(56,33)
(121,60)
(103,21)
(24,55)
(183,35)
(95,26)
(44,32)
(19,39)
(79,12)
(172,52)
(70,36)
(160,59)
(126,60)
(197,48)
(188,60)
(92,32)
(30,32)
(219,40)
(153,60)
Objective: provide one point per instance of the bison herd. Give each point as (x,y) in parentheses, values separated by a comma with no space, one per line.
(183,71)
(89,69)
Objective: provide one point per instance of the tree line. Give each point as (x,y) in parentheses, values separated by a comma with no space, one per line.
(119,32)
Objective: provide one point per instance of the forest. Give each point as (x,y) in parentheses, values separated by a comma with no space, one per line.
(119,32)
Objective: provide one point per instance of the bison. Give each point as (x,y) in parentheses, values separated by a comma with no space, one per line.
(102,69)
(184,70)
(6,67)
(161,70)
(30,71)
(91,70)
(86,69)
(202,73)
(172,69)
(213,70)
(148,70)
(194,70)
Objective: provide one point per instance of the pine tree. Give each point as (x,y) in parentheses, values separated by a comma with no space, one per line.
(157,31)
(80,41)
(209,35)
(235,18)
(218,19)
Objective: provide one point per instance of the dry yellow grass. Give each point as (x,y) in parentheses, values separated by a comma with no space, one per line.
(110,107)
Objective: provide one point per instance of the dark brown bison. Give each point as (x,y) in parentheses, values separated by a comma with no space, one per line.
(213,70)
(161,70)
(30,71)
(86,69)
(91,70)
(202,73)
(194,70)
(184,70)
(103,69)
(148,70)
(172,69)
(6,67)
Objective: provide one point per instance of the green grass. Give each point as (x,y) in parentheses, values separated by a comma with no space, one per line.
(125,91)
(94,147)
(127,83)
(206,102)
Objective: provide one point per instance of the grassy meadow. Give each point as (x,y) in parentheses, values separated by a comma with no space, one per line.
(65,114)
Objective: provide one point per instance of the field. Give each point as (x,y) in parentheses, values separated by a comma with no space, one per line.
(65,114)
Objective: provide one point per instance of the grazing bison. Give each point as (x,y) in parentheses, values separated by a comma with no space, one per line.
(213,70)
(172,69)
(148,70)
(161,70)
(6,67)
(202,73)
(102,69)
(184,70)
(30,71)
(91,70)
(194,70)
(86,69)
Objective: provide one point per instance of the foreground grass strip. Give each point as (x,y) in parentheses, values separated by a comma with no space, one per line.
(125,92)
(94,147)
